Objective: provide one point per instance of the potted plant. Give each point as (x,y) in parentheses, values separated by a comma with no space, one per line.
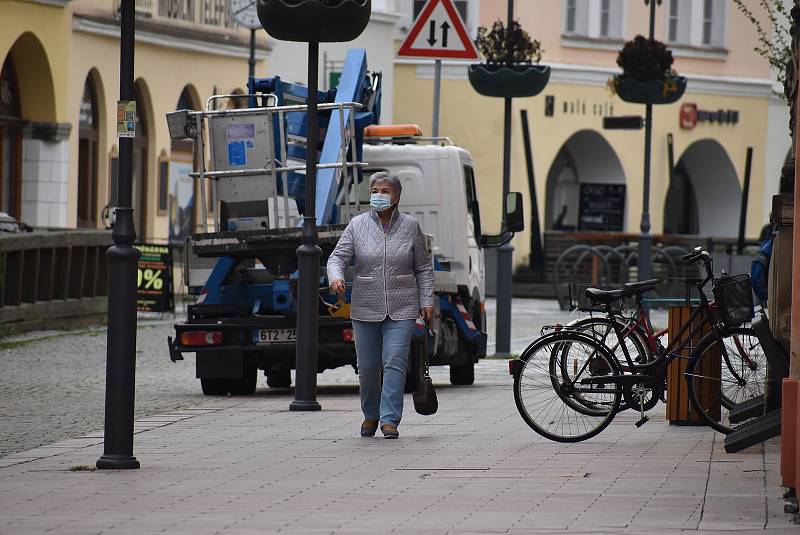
(647,75)
(504,74)
(324,21)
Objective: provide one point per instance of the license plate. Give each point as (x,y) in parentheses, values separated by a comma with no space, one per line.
(274,336)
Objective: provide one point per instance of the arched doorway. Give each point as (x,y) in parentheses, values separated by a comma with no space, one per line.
(704,193)
(140,164)
(10,141)
(182,189)
(586,186)
(88,124)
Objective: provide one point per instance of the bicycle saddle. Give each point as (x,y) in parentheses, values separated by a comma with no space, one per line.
(604,296)
(641,286)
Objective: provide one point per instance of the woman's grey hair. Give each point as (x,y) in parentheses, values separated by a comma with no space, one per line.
(389,178)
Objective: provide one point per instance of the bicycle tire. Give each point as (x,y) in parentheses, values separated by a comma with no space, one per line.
(741,376)
(542,397)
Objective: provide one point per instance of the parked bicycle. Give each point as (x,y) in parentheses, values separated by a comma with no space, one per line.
(568,385)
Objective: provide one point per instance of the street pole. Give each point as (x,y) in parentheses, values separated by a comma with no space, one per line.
(122,260)
(308,256)
(644,262)
(437,89)
(251,63)
(505,253)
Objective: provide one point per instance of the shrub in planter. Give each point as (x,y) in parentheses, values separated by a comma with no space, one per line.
(314,20)
(495,77)
(647,75)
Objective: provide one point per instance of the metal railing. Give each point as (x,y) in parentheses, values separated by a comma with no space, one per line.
(48,274)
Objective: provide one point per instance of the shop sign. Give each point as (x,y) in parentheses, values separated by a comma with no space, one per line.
(154,282)
(690,115)
(601,207)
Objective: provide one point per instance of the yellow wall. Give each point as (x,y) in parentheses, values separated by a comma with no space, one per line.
(38,33)
(163,74)
(476,123)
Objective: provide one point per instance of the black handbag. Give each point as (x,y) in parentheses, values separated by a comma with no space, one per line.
(425,401)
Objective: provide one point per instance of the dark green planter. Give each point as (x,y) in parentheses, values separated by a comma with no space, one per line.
(508,81)
(650,91)
(314,21)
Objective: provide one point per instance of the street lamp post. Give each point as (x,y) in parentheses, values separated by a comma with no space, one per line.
(644,262)
(308,259)
(122,271)
(505,253)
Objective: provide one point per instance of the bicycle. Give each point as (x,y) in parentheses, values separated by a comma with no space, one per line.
(568,386)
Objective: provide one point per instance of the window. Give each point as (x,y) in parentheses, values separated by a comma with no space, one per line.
(571,15)
(594,18)
(472,200)
(87,157)
(461,7)
(10,141)
(698,23)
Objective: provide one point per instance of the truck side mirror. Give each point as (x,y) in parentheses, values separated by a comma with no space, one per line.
(515,218)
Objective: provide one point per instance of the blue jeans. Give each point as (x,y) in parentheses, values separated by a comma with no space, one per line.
(382,345)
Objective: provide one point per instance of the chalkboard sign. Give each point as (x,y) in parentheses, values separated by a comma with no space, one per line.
(601,207)
(154,283)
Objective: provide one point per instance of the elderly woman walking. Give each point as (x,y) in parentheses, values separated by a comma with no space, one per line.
(392,287)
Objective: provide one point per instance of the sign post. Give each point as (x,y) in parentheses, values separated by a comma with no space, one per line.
(438,33)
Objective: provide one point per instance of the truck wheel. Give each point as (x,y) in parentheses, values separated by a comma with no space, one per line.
(462,374)
(246,386)
(279,379)
(214,387)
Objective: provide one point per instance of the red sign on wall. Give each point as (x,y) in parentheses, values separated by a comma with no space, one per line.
(688,115)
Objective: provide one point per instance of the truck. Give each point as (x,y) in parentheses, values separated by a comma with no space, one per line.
(245,268)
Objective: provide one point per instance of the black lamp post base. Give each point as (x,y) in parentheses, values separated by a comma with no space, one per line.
(117,462)
(304,405)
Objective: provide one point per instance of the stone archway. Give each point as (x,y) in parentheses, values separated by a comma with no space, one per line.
(704,193)
(585,158)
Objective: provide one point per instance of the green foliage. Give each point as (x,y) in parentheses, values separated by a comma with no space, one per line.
(645,59)
(775,42)
(492,44)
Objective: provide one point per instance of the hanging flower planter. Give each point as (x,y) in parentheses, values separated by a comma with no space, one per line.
(508,81)
(652,91)
(508,73)
(647,76)
(324,21)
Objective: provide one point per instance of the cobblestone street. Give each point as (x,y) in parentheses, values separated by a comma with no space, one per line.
(52,384)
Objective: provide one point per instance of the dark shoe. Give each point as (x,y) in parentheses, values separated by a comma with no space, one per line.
(389,431)
(368,428)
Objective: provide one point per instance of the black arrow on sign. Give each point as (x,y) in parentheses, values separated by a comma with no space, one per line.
(432,38)
(445,27)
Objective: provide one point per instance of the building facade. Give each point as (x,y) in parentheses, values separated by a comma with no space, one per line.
(730,104)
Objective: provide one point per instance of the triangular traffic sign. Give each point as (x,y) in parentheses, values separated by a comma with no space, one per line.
(439,33)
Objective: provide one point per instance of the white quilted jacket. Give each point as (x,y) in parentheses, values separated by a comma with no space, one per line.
(393,275)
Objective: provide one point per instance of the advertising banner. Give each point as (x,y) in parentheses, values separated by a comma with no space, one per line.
(154,283)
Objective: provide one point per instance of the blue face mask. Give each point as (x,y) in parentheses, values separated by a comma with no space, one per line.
(380,201)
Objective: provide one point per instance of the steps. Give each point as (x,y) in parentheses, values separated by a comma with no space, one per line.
(754,432)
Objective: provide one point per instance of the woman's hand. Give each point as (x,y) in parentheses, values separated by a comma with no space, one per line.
(426,313)
(337,286)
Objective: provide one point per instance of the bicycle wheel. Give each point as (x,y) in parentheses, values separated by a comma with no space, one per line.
(725,372)
(602,329)
(556,404)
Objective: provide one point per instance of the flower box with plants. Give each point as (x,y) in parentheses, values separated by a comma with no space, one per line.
(647,75)
(499,77)
(325,21)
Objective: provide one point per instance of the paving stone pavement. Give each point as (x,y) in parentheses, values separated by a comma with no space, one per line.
(52,384)
(248,465)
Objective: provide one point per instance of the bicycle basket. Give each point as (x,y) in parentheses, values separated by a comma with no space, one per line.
(734,297)
(579,301)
